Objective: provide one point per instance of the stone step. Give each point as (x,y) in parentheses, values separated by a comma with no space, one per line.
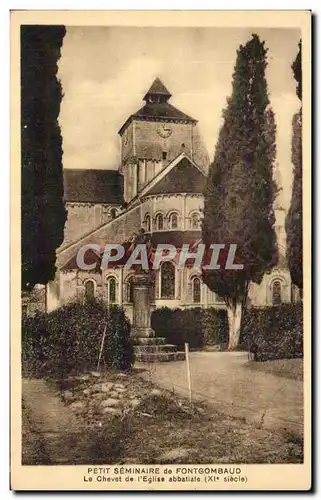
(149,340)
(160,357)
(142,349)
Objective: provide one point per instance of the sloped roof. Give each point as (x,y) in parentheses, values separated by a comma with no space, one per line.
(183,178)
(158,88)
(158,111)
(90,258)
(162,110)
(93,186)
(176,238)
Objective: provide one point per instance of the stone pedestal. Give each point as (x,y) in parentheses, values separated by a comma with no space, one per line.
(148,348)
(141,306)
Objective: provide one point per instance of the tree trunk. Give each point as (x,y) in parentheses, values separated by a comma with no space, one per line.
(234,316)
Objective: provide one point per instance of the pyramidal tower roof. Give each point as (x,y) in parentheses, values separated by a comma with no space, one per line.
(157,88)
(157,108)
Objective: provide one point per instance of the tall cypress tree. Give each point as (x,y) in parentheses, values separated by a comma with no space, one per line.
(293,225)
(43,213)
(240,190)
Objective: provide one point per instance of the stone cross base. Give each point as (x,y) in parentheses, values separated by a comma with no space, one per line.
(142,332)
(147,347)
(155,349)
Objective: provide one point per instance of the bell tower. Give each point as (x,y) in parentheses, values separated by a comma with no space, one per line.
(153,137)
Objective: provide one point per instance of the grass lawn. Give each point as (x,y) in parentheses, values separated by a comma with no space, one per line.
(32,446)
(288,368)
(153,426)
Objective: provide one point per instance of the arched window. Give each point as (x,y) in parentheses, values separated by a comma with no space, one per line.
(159,222)
(111,290)
(113,213)
(89,290)
(196,282)
(130,290)
(195,221)
(173,221)
(148,223)
(276,293)
(168,280)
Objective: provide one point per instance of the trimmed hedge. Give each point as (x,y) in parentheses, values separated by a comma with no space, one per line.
(196,326)
(68,340)
(271,332)
(215,326)
(274,332)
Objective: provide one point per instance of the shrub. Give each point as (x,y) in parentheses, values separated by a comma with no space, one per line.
(215,326)
(33,341)
(119,348)
(179,326)
(276,332)
(68,340)
(196,326)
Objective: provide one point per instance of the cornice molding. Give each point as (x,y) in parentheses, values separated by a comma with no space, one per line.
(171,195)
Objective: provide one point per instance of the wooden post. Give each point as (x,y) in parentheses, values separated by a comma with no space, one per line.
(101,346)
(188,374)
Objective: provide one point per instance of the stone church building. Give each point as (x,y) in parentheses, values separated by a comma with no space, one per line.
(158,187)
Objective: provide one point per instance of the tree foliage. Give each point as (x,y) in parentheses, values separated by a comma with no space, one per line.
(240,191)
(297,72)
(293,224)
(43,213)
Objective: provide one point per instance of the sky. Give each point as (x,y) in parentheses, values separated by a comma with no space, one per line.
(106,71)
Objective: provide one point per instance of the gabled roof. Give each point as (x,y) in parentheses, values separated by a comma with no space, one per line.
(184,173)
(183,178)
(93,186)
(181,175)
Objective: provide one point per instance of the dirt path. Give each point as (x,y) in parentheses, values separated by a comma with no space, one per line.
(151,426)
(221,379)
(51,433)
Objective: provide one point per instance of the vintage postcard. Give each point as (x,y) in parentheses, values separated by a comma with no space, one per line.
(160,250)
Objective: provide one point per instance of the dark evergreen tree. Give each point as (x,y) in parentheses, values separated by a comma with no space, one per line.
(240,190)
(293,225)
(43,213)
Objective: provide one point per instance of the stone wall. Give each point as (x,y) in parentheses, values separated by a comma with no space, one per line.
(200,153)
(127,143)
(143,151)
(115,231)
(183,205)
(83,218)
(144,141)
(261,295)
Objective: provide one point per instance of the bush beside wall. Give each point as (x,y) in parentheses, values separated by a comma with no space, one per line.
(68,340)
(274,332)
(215,326)
(196,326)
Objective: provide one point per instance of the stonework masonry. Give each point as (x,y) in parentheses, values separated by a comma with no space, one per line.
(159,188)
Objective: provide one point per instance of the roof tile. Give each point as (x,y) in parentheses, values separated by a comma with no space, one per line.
(93,186)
